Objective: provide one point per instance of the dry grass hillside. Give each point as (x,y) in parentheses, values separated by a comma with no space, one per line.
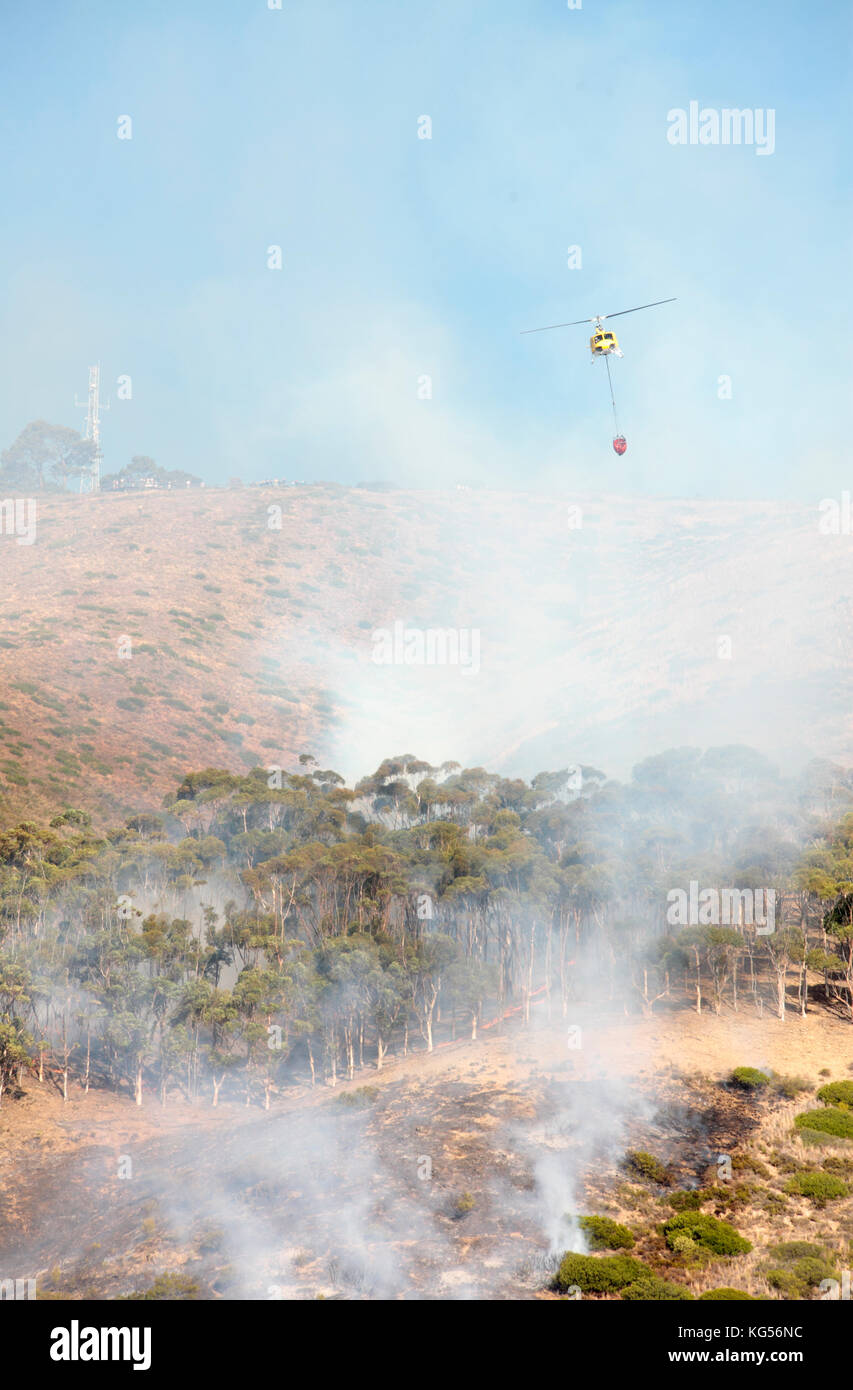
(250,643)
(226,1204)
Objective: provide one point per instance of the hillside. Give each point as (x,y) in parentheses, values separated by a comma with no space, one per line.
(232,1203)
(251,643)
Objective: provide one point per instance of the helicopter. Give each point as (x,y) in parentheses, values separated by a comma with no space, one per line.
(605,344)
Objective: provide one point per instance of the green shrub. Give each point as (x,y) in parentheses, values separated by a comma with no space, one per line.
(785,1281)
(604,1234)
(707,1232)
(747,1163)
(169,1286)
(726,1197)
(729,1295)
(749,1078)
(839,1123)
(210,1239)
(813,1271)
(836,1163)
(819,1187)
(796,1250)
(645,1165)
(686,1199)
(654,1290)
(774,1203)
(798,1279)
(816,1139)
(599,1273)
(837,1093)
(362,1095)
(784,1162)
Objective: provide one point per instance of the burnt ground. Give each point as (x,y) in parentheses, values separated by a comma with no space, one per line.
(447,1177)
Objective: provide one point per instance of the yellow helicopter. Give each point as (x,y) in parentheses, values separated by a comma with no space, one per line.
(605,344)
(601,343)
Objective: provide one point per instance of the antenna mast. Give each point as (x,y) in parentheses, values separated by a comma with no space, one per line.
(90,479)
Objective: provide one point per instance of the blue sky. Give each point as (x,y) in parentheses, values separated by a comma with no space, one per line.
(405,257)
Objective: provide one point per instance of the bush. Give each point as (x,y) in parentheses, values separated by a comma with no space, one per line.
(749,1078)
(813,1271)
(785,1282)
(837,1093)
(725,1197)
(729,1295)
(790,1086)
(212,1238)
(820,1187)
(836,1163)
(838,1123)
(747,1163)
(774,1203)
(798,1279)
(603,1234)
(686,1200)
(600,1274)
(168,1287)
(362,1095)
(707,1232)
(796,1250)
(645,1165)
(656,1290)
(815,1139)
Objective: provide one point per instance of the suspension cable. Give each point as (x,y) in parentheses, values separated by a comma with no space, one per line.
(612,397)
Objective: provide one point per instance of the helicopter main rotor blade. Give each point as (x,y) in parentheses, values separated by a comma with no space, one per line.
(549,326)
(639,306)
(597,317)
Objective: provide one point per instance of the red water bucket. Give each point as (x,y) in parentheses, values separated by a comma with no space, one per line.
(620,444)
